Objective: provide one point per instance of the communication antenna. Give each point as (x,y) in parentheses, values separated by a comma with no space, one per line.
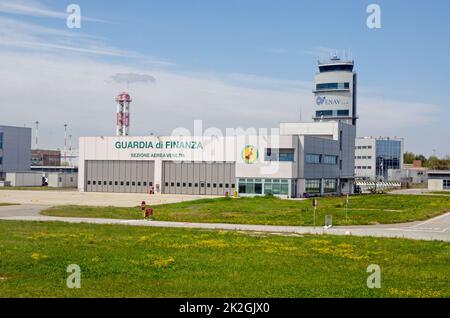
(36,132)
(65,143)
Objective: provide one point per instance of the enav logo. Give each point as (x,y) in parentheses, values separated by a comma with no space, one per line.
(249,154)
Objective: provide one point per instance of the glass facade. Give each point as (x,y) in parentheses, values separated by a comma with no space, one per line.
(388,156)
(329,185)
(312,186)
(1,140)
(264,186)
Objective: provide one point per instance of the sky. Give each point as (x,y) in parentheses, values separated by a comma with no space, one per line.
(231,64)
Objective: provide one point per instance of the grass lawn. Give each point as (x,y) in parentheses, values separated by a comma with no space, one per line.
(6,204)
(38,188)
(125,261)
(367,209)
(441,192)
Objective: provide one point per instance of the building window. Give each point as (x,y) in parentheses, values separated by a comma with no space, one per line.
(139,184)
(327,86)
(1,140)
(184,184)
(144,183)
(190,185)
(324,113)
(313,158)
(128,183)
(167,184)
(446,184)
(121,183)
(93,182)
(312,185)
(89,182)
(196,185)
(330,160)
(172,184)
(329,185)
(343,112)
(276,186)
(279,154)
(178,184)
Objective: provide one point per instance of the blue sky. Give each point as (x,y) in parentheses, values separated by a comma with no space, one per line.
(246,47)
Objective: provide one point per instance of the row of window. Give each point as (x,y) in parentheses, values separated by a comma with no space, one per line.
(325,159)
(196,184)
(363,157)
(279,154)
(313,186)
(326,86)
(447,184)
(363,147)
(363,167)
(264,186)
(327,113)
(122,183)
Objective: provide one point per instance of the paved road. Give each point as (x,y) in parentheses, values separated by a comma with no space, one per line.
(434,229)
(63,197)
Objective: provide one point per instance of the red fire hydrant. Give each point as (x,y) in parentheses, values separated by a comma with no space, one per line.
(149,213)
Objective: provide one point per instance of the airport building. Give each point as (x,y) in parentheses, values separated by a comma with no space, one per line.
(379,158)
(15,150)
(315,158)
(439,180)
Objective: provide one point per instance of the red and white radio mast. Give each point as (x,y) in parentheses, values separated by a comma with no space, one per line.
(123,114)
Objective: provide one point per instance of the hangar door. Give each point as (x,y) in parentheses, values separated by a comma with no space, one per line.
(213,178)
(126,176)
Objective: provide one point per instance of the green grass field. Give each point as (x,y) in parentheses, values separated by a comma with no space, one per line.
(38,188)
(441,192)
(367,209)
(125,261)
(7,204)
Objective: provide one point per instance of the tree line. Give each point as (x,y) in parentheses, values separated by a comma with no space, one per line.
(432,162)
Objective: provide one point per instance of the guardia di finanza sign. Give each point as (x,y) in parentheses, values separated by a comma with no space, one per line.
(169,144)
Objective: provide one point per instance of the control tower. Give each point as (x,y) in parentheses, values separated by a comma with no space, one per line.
(335,91)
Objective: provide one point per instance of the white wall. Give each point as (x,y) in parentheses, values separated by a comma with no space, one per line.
(435,184)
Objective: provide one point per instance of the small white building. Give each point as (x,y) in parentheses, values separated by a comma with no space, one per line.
(24,179)
(62,180)
(439,180)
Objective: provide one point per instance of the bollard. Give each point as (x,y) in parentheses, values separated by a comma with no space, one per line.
(149,213)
